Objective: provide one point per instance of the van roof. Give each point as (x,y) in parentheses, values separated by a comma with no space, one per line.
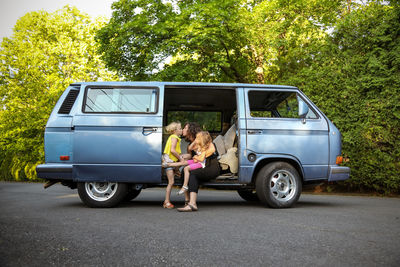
(184,84)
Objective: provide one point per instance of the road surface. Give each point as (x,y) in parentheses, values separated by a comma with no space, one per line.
(53,228)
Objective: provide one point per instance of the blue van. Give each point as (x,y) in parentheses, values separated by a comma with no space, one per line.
(106,139)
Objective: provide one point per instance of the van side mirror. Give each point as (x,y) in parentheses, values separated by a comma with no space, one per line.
(303,109)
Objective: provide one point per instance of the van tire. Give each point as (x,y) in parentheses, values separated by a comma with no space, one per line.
(103,194)
(278,185)
(248,195)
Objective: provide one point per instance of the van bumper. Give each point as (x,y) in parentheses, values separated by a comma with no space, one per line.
(54,171)
(338,173)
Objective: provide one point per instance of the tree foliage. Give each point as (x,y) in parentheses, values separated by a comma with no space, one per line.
(46,53)
(356,81)
(231,40)
(343,54)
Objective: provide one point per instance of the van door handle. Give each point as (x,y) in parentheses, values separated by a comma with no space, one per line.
(149,130)
(254,132)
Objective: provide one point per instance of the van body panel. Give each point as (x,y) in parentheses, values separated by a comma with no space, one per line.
(117,145)
(260,159)
(58,142)
(58,133)
(122,147)
(128,173)
(244,173)
(307,141)
(60,120)
(335,144)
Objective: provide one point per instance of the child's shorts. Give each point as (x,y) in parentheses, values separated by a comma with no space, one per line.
(167,159)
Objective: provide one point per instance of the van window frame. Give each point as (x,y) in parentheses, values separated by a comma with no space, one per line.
(248,111)
(122,87)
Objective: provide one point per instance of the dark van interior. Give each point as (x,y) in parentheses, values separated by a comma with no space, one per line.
(189,101)
(215,111)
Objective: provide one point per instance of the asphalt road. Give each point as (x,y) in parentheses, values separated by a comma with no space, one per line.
(53,228)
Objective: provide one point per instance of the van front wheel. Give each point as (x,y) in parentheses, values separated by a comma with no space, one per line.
(278,185)
(102,194)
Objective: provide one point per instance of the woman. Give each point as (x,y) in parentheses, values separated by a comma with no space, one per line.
(210,171)
(189,132)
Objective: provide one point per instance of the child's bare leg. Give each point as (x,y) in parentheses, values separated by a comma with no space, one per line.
(185,181)
(170,176)
(186,177)
(177,164)
(186,156)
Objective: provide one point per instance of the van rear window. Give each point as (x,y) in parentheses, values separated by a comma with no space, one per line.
(120,100)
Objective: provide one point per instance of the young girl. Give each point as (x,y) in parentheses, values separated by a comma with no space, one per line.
(200,146)
(171,153)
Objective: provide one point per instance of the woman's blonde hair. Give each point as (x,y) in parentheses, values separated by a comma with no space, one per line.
(172,127)
(203,140)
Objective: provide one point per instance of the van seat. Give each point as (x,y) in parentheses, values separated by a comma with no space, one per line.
(227,151)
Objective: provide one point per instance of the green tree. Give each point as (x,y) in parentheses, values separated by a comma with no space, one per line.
(356,81)
(46,53)
(231,40)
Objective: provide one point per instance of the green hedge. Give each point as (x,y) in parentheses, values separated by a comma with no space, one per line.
(356,82)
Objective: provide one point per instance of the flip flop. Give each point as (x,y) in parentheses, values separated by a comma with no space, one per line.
(188,208)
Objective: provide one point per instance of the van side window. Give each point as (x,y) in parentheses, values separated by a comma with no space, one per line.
(279,104)
(289,107)
(120,100)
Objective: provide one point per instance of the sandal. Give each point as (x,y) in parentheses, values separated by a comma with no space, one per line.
(168,205)
(188,208)
(183,190)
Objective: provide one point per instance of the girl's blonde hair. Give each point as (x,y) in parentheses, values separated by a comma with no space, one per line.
(172,127)
(203,140)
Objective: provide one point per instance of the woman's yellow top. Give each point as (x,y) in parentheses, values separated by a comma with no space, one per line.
(167,149)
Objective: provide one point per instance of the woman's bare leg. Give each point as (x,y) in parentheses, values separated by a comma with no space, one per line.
(187,198)
(193,199)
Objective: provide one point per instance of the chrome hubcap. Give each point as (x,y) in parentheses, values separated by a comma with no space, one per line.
(283,186)
(101,191)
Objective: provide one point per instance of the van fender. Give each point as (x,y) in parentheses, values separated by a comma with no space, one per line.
(264,159)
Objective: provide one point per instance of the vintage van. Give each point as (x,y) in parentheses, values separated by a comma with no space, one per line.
(106,139)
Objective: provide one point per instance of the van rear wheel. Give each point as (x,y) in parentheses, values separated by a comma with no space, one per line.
(278,185)
(102,194)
